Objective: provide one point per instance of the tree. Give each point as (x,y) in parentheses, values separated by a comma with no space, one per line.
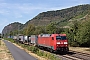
(83,35)
(15,32)
(30,29)
(11,33)
(39,30)
(75,28)
(24,31)
(72,34)
(51,28)
(0,35)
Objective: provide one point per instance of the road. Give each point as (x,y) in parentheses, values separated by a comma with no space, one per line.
(18,53)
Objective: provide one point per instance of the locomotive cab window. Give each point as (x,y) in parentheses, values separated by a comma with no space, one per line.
(60,37)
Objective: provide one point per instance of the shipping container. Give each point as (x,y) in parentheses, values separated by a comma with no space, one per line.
(34,39)
(26,39)
(21,38)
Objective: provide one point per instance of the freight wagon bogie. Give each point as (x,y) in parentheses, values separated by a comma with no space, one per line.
(62,50)
(43,47)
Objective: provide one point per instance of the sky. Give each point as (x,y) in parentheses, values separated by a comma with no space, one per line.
(24,10)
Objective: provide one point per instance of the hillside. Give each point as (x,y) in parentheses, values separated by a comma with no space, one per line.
(12,27)
(61,17)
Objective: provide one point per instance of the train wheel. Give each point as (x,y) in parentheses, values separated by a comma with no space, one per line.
(29,43)
(23,42)
(51,50)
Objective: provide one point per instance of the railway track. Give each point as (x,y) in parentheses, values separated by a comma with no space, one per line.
(73,55)
(66,57)
(84,54)
(80,55)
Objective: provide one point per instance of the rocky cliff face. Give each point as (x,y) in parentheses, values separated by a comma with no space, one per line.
(59,16)
(12,27)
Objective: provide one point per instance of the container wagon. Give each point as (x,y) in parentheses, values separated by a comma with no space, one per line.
(26,40)
(21,38)
(34,39)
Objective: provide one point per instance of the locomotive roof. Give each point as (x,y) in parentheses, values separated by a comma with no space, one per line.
(48,35)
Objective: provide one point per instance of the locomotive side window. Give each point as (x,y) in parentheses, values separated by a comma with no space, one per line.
(60,37)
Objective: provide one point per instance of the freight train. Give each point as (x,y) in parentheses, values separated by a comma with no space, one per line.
(52,42)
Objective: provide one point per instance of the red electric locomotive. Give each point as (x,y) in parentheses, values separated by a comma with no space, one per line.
(53,42)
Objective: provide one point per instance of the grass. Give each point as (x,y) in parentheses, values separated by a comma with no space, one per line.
(8,51)
(87,49)
(4,52)
(1,50)
(9,39)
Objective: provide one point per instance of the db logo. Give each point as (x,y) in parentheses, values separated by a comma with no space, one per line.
(61,42)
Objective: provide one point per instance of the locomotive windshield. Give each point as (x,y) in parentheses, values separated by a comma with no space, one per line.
(60,37)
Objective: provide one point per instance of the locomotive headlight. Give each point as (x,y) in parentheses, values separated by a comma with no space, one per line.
(65,43)
(58,42)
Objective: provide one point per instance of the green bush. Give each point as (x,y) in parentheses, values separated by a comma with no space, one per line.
(40,53)
(9,39)
(35,50)
(74,44)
